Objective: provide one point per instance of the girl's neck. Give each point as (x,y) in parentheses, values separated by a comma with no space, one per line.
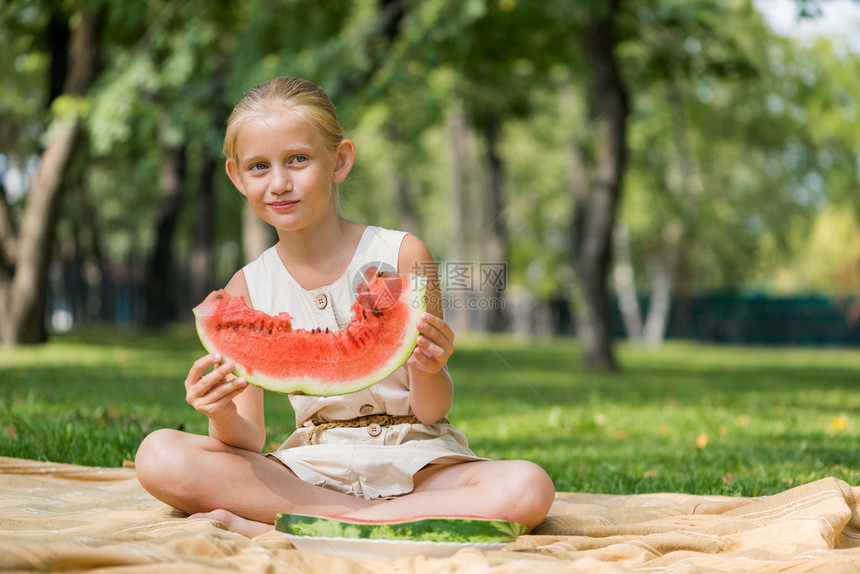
(319,256)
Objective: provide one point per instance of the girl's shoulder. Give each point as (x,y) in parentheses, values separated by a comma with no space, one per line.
(416,258)
(407,250)
(414,255)
(237,286)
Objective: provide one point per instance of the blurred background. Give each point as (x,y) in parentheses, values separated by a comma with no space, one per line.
(636,169)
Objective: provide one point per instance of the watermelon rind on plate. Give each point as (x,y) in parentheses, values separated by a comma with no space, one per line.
(449,529)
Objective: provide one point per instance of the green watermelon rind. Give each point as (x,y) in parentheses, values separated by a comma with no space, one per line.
(460,529)
(416,301)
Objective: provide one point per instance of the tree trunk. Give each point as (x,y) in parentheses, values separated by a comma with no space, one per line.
(24,313)
(407,216)
(458,132)
(663,269)
(625,284)
(496,241)
(202,257)
(95,271)
(24,281)
(406,206)
(161,305)
(596,206)
(8,237)
(682,180)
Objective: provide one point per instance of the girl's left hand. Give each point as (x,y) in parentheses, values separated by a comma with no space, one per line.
(434,346)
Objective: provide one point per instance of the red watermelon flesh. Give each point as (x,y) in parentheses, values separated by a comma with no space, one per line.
(269,353)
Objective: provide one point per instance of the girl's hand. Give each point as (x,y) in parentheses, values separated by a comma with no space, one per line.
(212,394)
(434,346)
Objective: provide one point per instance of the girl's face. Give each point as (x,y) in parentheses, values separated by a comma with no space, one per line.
(284,168)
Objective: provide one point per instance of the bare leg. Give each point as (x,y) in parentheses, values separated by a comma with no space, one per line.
(236,523)
(201,475)
(514,490)
(517,491)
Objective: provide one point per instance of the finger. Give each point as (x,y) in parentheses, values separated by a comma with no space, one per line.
(419,360)
(431,349)
(219,397)
(216,410)
(429,355)
(202,386)
(224,391)
(430,323)
(436,337)
(422,361)
(199,367)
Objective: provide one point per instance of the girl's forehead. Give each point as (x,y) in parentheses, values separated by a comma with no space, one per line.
(280,118)
(277,127)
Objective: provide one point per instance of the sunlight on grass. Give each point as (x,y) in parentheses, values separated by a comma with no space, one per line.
(687,418)
(695,418)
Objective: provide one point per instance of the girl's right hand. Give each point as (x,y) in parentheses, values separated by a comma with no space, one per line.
(212,393)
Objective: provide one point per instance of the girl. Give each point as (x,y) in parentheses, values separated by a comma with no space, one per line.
(285,152)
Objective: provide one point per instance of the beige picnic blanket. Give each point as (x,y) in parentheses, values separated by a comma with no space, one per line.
(58,517)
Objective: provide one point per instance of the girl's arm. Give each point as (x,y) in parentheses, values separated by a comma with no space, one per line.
(430,386)
(234,408)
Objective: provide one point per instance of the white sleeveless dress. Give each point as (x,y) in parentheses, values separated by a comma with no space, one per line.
(350,460)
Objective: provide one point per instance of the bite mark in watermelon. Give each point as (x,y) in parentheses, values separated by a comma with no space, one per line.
(269,353)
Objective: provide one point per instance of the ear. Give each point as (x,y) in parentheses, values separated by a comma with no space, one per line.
(344,158)
(233,173)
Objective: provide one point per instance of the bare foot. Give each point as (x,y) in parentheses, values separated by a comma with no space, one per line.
(236,523)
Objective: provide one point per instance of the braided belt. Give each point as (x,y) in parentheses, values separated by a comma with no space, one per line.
(373,423)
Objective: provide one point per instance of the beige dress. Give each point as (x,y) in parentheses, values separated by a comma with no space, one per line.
(351,460)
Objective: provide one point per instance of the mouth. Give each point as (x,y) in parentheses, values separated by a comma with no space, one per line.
(283,205)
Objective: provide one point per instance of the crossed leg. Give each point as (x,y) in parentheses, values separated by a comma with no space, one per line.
(204,477)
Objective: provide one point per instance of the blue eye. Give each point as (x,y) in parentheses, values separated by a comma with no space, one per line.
(300,158)
(259,166)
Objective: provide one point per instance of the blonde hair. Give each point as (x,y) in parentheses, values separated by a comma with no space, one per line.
(301,97)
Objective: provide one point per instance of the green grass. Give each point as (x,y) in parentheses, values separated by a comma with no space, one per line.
(688,418)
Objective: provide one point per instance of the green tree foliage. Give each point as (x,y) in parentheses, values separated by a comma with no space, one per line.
(738,138)
(745,102)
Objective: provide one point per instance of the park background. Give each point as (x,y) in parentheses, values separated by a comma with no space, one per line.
(656,176)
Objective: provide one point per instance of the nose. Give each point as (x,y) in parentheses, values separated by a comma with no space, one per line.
(281,182)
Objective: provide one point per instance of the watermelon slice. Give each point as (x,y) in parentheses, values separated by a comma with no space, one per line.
(269,353)
(465,529)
